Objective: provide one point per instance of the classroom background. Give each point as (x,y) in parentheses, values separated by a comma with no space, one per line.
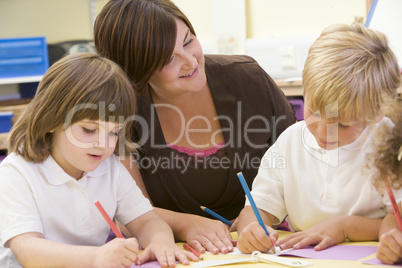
(277,34)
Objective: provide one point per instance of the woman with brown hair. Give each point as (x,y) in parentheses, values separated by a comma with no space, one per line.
(200,119)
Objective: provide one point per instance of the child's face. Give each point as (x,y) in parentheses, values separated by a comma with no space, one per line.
(329,132)
(84,145)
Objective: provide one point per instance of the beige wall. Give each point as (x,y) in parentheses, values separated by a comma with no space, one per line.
(272,18)
(58,20)
(61,20)
(200,15)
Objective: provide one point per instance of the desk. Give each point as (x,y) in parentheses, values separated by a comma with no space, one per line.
(317,263)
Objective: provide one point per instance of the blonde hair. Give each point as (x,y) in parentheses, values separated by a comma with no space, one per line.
(78,85)
(352,67)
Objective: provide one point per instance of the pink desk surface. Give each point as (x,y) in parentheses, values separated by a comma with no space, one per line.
(346,255)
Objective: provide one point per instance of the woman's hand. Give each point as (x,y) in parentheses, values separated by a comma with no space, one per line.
(206,234)
(389,249)
(233,228)
(166,253)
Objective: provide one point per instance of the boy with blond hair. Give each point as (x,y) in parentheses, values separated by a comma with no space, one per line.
(322,185)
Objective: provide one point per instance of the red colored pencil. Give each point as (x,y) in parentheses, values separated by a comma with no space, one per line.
(109,221)
(113,226)
(196,253)
(394,204)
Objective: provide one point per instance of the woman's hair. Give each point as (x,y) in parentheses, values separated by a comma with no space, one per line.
(388,146)
(77,87)
(351,69)
(139,35)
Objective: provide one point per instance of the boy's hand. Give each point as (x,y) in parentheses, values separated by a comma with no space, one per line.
(118,252)
(253,237)
(166,253)
(389,249)
(323,235)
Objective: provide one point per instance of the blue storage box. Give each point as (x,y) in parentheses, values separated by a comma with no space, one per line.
(5,121)
(23,57)
(298,105)
(28,90)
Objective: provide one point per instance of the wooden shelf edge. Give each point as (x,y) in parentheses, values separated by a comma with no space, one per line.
(3,138)
(22,79)
(295,88)
(290,88)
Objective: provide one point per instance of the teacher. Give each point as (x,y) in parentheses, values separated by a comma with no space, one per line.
(200,118)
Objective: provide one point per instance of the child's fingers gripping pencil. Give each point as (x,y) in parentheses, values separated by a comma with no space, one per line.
(112,225)
(252,203)
(251,200)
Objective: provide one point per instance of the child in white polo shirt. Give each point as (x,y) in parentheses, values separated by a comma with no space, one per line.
(319,177)
(64,157)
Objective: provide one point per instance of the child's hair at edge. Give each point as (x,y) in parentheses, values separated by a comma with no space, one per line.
(77,87)
(388,142)
(351,69)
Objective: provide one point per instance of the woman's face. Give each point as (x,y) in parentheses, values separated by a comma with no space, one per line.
(185,71)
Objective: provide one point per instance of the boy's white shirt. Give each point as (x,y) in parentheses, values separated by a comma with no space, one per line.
(310,184)
(43,198)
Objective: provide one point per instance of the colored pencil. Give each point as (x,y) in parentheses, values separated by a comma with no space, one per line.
(196,253)
(394,204)
(109,221)
(370,14)
(216,215)
(113,226)
(251,200)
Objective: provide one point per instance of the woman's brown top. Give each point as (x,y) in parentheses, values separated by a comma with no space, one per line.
(252,111)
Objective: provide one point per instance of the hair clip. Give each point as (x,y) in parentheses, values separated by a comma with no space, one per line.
(400,153)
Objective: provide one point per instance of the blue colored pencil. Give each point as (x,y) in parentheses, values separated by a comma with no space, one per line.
(370,14)
(251,200)
(216,215)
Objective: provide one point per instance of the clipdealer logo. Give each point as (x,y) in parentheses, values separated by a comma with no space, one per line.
(239,130)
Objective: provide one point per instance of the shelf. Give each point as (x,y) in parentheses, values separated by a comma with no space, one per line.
(15,106)
(295,88)
(18,80)
(290,88)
